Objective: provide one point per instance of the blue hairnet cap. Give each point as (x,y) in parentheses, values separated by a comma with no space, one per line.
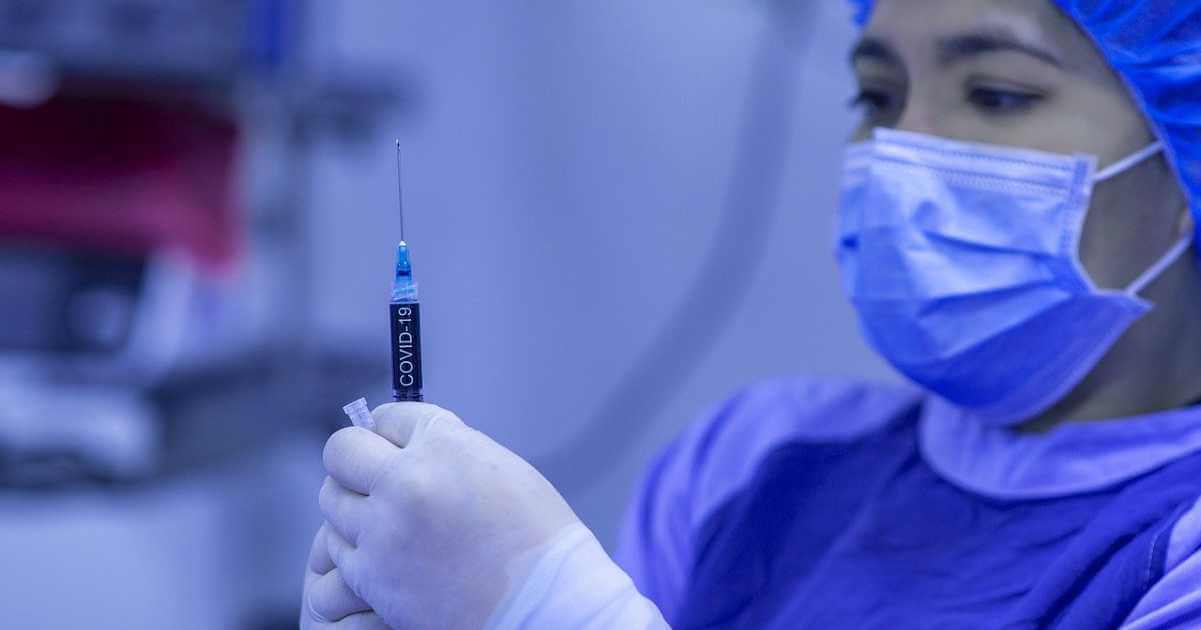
(1155,46)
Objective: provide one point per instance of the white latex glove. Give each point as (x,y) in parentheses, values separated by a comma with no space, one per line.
(328,603)
(431,522)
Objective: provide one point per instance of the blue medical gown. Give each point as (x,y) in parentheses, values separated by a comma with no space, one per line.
(838,505)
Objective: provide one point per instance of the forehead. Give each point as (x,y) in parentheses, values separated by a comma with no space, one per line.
(914,25)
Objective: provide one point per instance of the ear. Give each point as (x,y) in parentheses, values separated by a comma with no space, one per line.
(1187,224)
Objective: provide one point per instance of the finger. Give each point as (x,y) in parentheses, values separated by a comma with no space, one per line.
(404,423)
(340,551)
(319,561)
(330,599)
(360,621)
(357,621)
(344,509)
(356,457)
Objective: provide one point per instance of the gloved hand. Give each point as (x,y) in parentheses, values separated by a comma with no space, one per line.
(430,522)
(328,602)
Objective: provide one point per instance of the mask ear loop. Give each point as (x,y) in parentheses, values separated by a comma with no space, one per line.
(1164,263)
(1174,254)
(1128,162)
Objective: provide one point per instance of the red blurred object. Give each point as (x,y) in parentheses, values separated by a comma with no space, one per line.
(120,177)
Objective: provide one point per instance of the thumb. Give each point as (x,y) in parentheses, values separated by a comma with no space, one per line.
(404,423)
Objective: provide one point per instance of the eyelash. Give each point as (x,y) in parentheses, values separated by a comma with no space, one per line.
(987,100)
(1000,101)
(871,101)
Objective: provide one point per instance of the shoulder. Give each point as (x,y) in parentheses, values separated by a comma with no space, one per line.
(1174,599)
(811,409)
(720,452)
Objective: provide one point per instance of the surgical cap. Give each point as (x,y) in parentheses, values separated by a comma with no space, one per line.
(1155,46)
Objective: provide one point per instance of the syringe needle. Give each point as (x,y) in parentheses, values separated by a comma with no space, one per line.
(400,201)
(405,313)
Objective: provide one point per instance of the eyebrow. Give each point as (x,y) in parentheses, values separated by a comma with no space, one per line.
(958,48)
(874,49)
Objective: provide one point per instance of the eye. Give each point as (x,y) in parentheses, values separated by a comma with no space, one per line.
(1002,101)
(872,102)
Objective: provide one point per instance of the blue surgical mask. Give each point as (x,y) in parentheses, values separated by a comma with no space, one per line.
(962,262)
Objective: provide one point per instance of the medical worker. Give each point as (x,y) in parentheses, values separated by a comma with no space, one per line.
(1015,235)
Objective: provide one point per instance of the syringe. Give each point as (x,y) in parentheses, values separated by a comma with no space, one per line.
(405,314)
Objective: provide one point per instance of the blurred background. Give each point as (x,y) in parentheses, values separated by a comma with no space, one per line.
(620,213)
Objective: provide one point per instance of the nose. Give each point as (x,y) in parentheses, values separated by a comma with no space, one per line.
(917,119)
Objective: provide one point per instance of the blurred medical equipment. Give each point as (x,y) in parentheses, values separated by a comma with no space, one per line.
(154,243)
(404,313)
(164,271)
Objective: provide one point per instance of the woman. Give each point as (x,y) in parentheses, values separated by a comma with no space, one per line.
(1015,236)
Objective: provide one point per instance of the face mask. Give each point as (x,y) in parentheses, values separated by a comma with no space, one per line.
(962,262)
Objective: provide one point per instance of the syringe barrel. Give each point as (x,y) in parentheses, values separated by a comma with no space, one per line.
(406,350)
